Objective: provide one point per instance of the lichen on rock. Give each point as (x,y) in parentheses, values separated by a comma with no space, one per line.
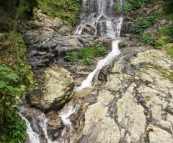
(56,89)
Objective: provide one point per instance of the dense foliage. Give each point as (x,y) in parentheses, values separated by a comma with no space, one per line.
(12,10)
(15,74)
(15,77)
(146,39)
(168,4)
(65,9)
(141,23)
(135,4)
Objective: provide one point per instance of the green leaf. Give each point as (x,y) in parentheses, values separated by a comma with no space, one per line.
(10,88)
(22,87)
(2,84)
(2,68)
(12,76)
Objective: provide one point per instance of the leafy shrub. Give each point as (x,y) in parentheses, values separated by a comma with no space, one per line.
(87,52)
(160,42)
(167,5)
(71,56)
(122,44)
(137,3)
(15,77)
(101,50)
(66,10)
(11,89)
(118,6)
(171,32)
(13,130)
(152,18)
(170,50)
(141,23)
(145,38)
(13,10)
(164,32)
(127,7)
(87,61)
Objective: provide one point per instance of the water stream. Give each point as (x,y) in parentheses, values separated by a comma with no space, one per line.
(110,57)
(33,137)
(103,17)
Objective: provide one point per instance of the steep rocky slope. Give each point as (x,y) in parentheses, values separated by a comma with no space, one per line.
(131,103)
(135,104)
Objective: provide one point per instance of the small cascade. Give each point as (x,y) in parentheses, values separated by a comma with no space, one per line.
(110,30)
(69,110)
(110,57)
(104,18)
(100,13)
(42,123)
(38,132)
(33,137)
(118,28)
(67,113)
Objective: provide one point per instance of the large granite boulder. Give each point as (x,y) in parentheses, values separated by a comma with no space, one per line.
(55,91)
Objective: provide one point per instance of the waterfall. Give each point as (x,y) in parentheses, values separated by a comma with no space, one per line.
(97,13)
(66,114)
(69,110)
(101,12)
(110,57)
(33,137)
(41,123)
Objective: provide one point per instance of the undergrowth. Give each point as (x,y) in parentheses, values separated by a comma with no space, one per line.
(86,54)
(15,78)
(65,9)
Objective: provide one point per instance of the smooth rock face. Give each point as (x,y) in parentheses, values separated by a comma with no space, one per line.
(57,89)
(98,126)
(135,105)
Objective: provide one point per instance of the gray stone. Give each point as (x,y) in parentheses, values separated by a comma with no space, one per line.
(57,89)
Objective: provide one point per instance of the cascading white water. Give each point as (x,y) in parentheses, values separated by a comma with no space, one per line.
(42,123)
(67,113)
(101,13)
(97,13)
(33,137)
(110,57)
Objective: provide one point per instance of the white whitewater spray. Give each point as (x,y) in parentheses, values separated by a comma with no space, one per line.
(102,16)
(33,137)
(43,124)
(110,57)
(101,13)
(65,115)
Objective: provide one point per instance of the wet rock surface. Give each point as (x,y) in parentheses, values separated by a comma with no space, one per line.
(135,104)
